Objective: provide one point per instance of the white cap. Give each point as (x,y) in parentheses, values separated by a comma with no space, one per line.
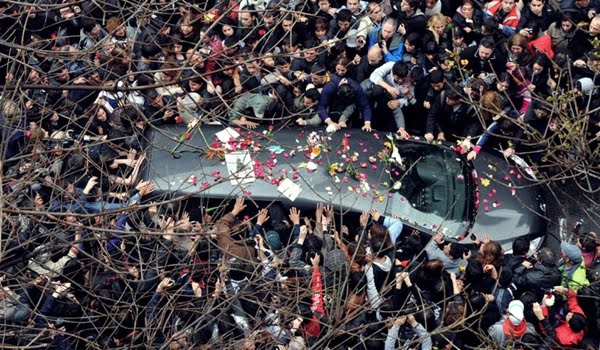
(515,312)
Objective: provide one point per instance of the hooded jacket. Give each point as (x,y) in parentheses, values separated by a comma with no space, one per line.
(497,333)
(564,334)
(573,277)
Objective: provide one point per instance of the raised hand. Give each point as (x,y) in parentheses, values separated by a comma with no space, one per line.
(164,284)
(375,214)
(295,216)
(263,216)
(364,219)
(238,206)
(319,213)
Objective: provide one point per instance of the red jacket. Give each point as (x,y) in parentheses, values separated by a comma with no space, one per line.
(313,328)
(564,334)
(511,20)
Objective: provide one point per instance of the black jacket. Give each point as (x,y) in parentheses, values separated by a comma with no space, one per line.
(537,279)
(496,63)
(460,122)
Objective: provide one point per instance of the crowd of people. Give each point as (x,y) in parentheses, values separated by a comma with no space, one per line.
(92,258)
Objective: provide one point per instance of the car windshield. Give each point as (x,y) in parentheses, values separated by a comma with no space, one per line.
(432,188)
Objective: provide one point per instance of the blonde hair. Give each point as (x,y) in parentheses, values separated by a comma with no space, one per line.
(437,20)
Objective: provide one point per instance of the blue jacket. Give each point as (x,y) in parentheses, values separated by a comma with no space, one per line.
(329,92)
(395,48)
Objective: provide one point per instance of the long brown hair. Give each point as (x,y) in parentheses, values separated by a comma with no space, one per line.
(491,253)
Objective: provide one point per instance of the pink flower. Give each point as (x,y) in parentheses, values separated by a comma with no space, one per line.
(376,135)
(216,174)
(512,171)
(363,176)
(339,151)
(345,180)
(204,186)
(295,176)
(374,167)
(247,193)
(363,165)
(300,134)
(286,155)
(365,150)
(486,208)
(506,178)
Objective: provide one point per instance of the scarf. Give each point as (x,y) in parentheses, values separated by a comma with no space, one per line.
(513,331)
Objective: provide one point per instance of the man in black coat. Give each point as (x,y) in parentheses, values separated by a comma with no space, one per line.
(538,277)
(483,58)
(450,118)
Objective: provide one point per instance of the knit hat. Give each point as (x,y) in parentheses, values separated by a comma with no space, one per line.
(335,260)
(273,240)
(586,85)
(515,312)
(549,300)
(572,252)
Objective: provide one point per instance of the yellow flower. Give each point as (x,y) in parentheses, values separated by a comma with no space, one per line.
(315,151)
(485,182)
(464,62)
(333,168)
